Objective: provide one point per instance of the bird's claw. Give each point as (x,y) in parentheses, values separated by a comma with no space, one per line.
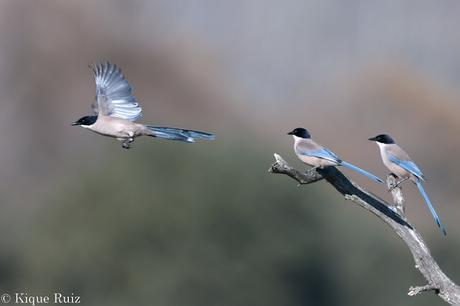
(397,184)
(126,143)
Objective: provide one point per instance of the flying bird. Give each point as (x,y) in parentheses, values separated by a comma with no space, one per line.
(315,155)
(116,110)
(400,164)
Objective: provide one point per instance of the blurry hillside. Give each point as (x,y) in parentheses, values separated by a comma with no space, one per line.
(205,224)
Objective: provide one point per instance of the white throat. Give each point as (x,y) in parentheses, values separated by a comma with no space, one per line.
(383,148)
(296,138)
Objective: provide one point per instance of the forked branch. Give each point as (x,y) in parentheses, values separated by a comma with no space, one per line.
(392,215)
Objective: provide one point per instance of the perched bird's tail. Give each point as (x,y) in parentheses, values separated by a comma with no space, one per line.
(430,206)
(361,171)
(179,134)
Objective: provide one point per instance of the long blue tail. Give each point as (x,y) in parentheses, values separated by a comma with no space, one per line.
(179,134)
(361,171)
(430,206)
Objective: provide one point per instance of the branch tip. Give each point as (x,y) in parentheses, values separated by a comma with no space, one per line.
(391,214)
(413,291)
(279,159)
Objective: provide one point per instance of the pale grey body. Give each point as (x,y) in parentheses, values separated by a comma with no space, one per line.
(392,149)
(306,145)
(315,155)
(121,129)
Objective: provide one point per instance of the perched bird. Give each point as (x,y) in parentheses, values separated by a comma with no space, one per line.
(317,156)
(401,165)
(116,111)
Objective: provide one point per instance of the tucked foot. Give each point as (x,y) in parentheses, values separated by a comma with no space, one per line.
(397,184)
(126,144)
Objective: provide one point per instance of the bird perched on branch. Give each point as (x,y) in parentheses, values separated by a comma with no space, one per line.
(401,165)
(317,156)
(116,111)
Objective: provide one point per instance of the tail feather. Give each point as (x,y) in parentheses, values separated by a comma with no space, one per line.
(179,134)
(361,171)
(430,206)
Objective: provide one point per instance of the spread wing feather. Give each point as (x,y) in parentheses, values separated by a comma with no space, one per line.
(114,93)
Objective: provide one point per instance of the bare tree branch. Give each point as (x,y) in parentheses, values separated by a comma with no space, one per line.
(392,215)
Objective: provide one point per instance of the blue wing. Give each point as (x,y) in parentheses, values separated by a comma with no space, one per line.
(114,94)
(329,155)
(323,154)
(408,165)
(430,206)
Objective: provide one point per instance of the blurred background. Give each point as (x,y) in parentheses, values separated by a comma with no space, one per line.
(168,223)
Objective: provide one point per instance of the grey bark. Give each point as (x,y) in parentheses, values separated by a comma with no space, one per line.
(392,215)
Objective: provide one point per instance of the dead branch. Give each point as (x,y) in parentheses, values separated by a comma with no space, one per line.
(392,215)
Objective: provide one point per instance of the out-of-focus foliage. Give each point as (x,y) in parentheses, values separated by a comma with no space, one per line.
(178,224)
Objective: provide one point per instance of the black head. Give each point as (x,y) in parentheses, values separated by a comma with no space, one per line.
(300,132)
(87,120)
(383,138)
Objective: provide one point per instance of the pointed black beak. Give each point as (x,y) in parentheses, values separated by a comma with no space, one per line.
(373,139)
(75,123)
(291,133)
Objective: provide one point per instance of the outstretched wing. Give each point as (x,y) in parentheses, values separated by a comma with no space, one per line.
(113,93)
(408,165)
